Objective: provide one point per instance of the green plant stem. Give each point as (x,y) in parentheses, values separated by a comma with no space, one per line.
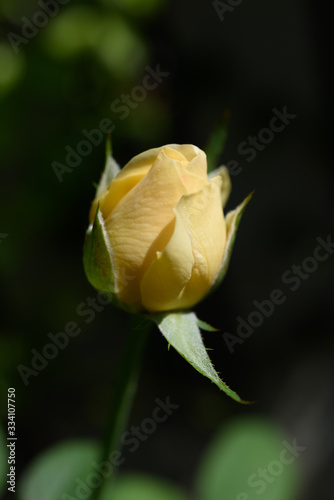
(124,389)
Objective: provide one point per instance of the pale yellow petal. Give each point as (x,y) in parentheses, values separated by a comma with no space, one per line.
(191,158)
(226,185)
(167,276)
(130,175)
(187,150)
(191,182)
(174,153)
(191,164)
(142,161)
(198,166)
(196,160)
(202,217)
(142,225)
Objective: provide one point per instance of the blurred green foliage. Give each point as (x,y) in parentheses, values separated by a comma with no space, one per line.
(12,68)
(53,85)
(54,472)
(57,83)
(73,470)
(64,80)
(143,487)
(248,457)
(242,460)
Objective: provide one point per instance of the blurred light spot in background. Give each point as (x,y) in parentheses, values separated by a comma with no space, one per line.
(120,49)
(109,37)
(12,66)
(72,31)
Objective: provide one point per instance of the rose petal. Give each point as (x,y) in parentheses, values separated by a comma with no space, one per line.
(130,175)
(136,169)
(199,228)
(226,186)
(174,153)
(191,164)
(142,224)
(187,150)
(202,217)
(167,276)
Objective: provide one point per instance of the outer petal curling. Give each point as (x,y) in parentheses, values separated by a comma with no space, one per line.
(167,276)
(189,151)
(198,167)
(226,185)
(202,217)
(143,221)
(136,169)
(132,173)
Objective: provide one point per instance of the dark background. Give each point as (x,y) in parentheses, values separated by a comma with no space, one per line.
(262,55)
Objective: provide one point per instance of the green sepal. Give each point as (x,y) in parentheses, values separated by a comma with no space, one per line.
(97,256)
(232,220)
(217,141)
(110,171)
(226,186)
(181,331)
(205,326)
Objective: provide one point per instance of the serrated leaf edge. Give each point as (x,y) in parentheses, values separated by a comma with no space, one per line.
(215,378)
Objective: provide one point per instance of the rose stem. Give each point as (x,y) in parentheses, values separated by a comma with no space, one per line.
(124,389)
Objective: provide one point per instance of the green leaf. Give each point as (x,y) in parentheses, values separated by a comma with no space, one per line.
(232,223)
(141,487)
(57,473)
(230,467)
(181,331)
(97,256)
(217,141)
(111,169)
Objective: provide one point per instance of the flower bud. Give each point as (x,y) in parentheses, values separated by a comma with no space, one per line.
(164,227)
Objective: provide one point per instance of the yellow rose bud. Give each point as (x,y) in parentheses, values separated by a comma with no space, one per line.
(166,228)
